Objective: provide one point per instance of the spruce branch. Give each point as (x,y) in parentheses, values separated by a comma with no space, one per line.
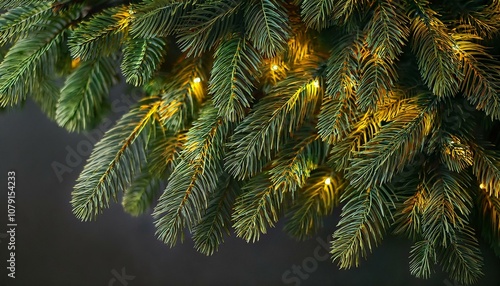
(317,14)
(115,160)
(314,201)
(486,166)
(434,48)
(161,159)
(19,22)
(141,58)
(104,32)
(482,75)
(338,110)
(209,233)
(267,27)
(233,77)
(83,99)
(394,146)
(388,30)
(204,26)
(257,208)
(194,178)
(365,217)
(423,257)
(448,205)
(158,18)
(274,118)
(29,60)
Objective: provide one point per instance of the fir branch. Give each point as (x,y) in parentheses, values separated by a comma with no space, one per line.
(482,75)
(29,60)
(141,58)
(448,204)
(315,200)
(455,154)
(138,198)
(159,18)
(343,9)
(409,219)
(267,27)
(102,35)
(161,158)
(115,160)
(365,217)
(208,234)
(378,77)
(194,178)
(317,14)
(422,259)
(387,30)
(83,100)
(9,4)
(19,22)
(432,45)
(394,145)
(486,166)
(273,119)
(302,44)
(344,151)
(46,96)
(181,95)
(364,129)
(483,19)
(462,259)
(257,208)
(338,110)
(233,76)
(295,162)
(204,26)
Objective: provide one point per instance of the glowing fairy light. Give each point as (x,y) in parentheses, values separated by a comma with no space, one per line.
(328,181)
(316,83)
(275,67)
(482,186)
(197,80)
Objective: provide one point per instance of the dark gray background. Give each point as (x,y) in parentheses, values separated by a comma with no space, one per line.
(54,248)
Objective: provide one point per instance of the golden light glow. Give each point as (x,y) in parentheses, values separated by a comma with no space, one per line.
(275,67)
(75,63)
(328,181)
(482,186)
(197,80)
(316,83)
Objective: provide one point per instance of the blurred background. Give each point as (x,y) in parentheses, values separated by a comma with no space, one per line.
(54,248)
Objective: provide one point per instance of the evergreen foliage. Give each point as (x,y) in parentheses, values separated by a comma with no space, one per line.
(256,111)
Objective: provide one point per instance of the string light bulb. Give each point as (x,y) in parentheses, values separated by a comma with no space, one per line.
(197,80)
(482,186)
(275,67)
(328,181)
(316,83)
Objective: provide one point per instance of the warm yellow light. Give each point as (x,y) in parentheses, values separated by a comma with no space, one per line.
(197,80)
(275,67)
(328,181)
(316,83)
(482,186)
